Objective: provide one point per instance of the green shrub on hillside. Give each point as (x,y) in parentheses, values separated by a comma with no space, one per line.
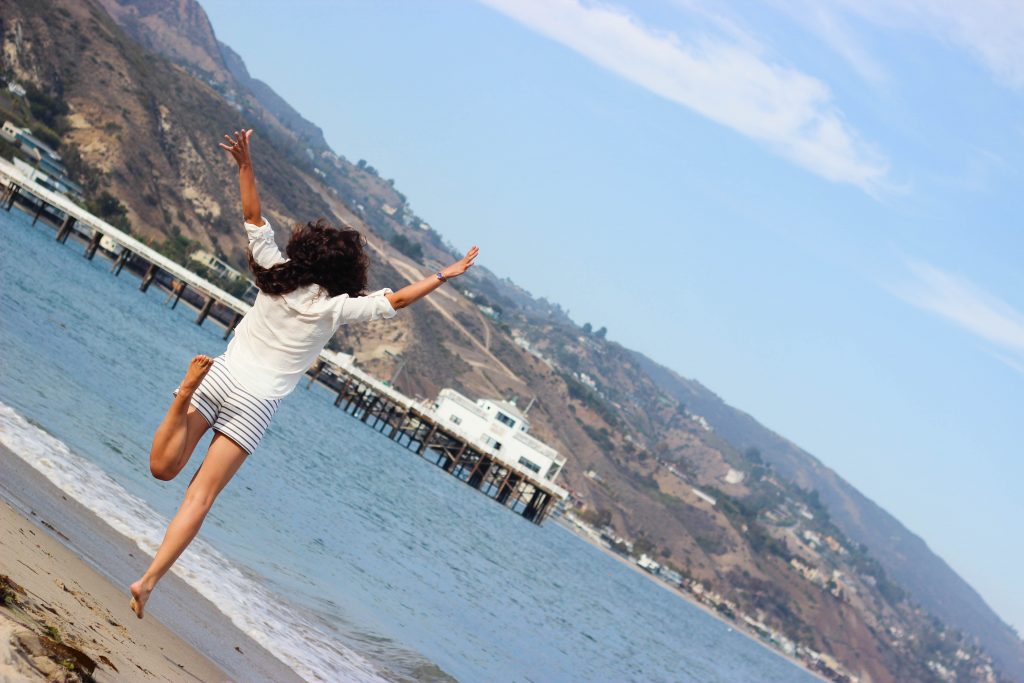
(109,208)
(409,247)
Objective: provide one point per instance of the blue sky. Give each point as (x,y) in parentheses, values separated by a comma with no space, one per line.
(810,207)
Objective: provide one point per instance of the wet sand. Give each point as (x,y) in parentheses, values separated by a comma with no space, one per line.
(66,607)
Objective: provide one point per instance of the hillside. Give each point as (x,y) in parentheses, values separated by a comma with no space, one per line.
(904,555)
(140,92)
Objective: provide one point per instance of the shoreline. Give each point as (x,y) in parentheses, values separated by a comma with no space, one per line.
(77,569)
(58,610)
(734,626)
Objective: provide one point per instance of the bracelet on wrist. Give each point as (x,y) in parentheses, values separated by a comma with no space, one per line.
(440,276)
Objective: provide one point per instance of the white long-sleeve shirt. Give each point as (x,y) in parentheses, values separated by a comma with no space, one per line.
(281,337)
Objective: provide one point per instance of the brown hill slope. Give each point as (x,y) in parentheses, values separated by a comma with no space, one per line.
(145,126)
(902,553)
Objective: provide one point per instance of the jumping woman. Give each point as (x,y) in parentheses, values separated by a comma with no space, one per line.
(302,301)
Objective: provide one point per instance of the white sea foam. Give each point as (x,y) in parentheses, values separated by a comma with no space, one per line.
(256,611)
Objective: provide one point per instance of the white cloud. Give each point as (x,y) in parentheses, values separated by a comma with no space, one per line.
(1013,363)
(969,307)
(830,25)
(727,81)
(990,30)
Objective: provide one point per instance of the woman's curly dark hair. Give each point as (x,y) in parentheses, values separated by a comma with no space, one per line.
(318,254)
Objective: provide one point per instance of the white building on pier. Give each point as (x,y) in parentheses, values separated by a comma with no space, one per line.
(501,426)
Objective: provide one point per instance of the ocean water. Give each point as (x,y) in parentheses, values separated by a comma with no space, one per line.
(342,553)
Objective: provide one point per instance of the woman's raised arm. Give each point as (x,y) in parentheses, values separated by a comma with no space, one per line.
(238,148)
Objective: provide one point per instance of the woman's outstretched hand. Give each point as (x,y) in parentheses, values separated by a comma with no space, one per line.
(417,290)
(238,147)
(462,265)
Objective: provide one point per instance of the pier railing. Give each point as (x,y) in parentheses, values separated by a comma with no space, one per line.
(411,424)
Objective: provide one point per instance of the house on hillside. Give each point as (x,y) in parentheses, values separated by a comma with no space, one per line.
(33,146)
(50,178)
(10,132)
(48,169)
(501,426)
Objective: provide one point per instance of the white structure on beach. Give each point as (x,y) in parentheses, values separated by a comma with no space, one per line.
(501,426)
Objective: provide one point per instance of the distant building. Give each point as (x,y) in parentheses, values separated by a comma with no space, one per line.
(32,145)
(586,379)
(16,89)
(53,180)
(47,169)
(733,476)
(671,575)
(804,512)
(503,428)
(834,545)
(489,312)
(648,563)
(10,131)
(217,265)
(704,424)
(808,572)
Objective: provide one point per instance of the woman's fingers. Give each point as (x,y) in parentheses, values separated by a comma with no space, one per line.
(239,143)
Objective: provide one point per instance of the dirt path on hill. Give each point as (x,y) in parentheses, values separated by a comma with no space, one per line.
(487,329)
(484,346)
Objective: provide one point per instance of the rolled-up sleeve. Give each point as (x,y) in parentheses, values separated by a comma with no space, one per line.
(261,243)
(373,306)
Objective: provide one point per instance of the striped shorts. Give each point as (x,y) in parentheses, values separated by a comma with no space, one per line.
(231,410)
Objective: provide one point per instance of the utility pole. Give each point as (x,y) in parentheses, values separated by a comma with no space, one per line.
(401,365)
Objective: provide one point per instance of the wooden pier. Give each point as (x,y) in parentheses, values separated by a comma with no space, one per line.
(420,429)
(409,423)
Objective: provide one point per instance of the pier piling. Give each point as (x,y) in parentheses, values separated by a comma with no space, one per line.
(65,229)
(175,296)
(118,265)
(341,393)
(369,408)
(147,279)
(94,244)
(12,193)
(204,311)
(316,374)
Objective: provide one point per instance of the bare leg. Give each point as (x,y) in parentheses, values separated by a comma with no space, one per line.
(182,427)
(222,461)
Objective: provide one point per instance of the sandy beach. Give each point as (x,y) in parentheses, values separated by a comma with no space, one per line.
(65,614)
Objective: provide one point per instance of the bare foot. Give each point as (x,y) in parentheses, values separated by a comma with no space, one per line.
(139,597)
(197,370)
